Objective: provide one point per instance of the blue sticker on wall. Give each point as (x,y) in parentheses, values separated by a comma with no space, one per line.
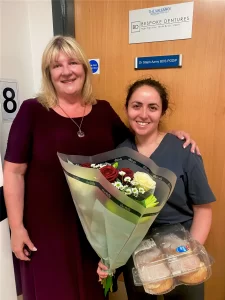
(95,65)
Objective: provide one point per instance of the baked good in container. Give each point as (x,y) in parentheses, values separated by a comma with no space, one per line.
(185,263)
(195,277)
(153,271)
(147,256)
(161,287)
(172,242)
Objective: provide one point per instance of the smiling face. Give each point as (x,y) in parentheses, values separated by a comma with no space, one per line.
(67,75)
(144,110)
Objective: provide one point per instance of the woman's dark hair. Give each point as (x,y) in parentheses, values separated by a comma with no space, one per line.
(160,88)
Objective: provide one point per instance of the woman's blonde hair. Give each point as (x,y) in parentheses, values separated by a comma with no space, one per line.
(47,96)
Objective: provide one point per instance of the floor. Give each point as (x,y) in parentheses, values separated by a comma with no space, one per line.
(119,295)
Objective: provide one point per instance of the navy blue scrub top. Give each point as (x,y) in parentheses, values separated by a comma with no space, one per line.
(192,186)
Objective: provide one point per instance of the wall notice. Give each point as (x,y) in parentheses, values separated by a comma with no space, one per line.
(162,23)
(8,99)
(95,65)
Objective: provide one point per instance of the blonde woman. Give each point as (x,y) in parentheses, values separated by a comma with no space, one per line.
(56,261)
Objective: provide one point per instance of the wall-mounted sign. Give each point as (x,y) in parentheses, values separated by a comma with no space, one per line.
(163,23)
(9,99)
(95,65)
(157,62)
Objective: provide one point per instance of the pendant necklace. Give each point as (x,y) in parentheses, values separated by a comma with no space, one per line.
(80,133)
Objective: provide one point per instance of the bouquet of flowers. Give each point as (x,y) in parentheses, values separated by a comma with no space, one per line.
(117,195)
(137,185)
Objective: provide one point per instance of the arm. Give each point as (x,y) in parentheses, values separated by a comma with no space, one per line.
(120,132)
(202,222)
(14,177)
(200,196)
(14,198)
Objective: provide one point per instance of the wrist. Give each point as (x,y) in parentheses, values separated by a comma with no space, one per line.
(18,226)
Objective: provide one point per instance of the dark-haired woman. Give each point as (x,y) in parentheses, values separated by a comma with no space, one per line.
(189,204)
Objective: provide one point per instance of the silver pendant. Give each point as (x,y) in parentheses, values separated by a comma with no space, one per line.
(80,134)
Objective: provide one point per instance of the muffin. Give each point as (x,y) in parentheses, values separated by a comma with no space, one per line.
(171,244)
(156,278)
(147,256)
(195,277)
(184,264)
(161,287)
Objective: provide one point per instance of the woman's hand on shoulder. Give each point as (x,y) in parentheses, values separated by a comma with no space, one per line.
(21,243)
(182,135)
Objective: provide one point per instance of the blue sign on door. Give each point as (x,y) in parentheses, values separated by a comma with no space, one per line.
(157,62)
(94,66)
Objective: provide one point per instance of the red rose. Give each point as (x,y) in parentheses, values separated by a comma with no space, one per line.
(128,172)
(86,165)
(110,173)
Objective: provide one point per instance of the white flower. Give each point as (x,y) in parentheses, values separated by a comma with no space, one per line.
(134,190)
(141,190)
(102,165)
(144,181)
(122,173)
(122,188)
(127,179)
(128,191)
(135,194)
(118,185)
(134,182)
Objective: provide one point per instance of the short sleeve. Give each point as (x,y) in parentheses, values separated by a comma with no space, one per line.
(198,188)
(20,136)
(119,129)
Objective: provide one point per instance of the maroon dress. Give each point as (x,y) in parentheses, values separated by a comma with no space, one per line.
(64,267)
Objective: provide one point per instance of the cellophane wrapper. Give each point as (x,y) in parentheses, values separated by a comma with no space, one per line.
(114,223)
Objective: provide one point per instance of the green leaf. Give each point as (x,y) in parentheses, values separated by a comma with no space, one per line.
(151,201)
(115,165)
(108,285)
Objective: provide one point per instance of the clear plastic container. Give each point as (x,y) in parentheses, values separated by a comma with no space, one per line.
(169,258)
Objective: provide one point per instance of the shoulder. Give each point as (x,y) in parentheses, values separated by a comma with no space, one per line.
(32,107)
(173,140)
(189,160)
(174,148)
(104,107)
(176,145)
(103,104)
(127,143)
(31,104)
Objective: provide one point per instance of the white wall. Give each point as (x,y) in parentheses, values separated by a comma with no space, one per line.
(25,28)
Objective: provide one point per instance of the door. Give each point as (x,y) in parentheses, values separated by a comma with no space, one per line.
(197,90)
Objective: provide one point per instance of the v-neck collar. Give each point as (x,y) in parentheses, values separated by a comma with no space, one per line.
(157,150)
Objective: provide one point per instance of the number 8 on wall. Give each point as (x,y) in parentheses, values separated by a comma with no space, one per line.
(8,99)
